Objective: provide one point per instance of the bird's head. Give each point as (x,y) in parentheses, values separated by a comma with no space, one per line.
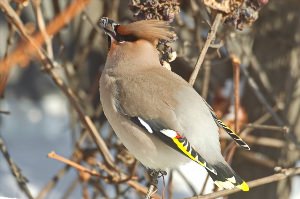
(150,30)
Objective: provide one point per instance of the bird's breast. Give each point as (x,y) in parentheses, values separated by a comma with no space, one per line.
(149,150)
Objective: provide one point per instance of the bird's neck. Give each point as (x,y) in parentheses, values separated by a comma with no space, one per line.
(136,55)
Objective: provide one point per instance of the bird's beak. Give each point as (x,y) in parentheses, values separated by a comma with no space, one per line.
(109,27)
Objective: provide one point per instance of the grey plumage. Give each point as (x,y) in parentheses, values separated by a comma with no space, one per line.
(135,85)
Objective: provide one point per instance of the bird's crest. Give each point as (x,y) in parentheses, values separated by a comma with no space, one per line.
(151,30)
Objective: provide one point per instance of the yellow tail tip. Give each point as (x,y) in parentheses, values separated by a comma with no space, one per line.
(243,186)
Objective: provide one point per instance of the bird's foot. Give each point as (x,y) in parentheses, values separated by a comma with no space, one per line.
(154,175)
(151,190)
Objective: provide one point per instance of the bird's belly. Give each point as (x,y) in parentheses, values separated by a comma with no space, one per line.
(148,149)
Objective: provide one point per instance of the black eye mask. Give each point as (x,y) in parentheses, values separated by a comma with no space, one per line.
(110,27)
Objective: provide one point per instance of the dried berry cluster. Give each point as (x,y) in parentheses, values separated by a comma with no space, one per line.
(245,14)
(162,10)
(238,13)
(155,9)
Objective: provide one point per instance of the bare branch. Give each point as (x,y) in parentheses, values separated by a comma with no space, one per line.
(260,96)
(18,56)
(4,112)
(283,129)
(210,37)
(262,141)
(42,27)
(15,170)
(236,73)
(48,64)
(258,158)
(53,155)
(285,173)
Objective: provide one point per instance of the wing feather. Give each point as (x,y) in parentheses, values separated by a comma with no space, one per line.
(229,131)
(174,140)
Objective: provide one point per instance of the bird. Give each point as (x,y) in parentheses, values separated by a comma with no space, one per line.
(155,113)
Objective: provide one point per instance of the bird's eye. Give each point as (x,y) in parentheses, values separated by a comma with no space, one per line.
(109,26)
(103,22)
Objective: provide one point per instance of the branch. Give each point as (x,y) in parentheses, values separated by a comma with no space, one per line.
(236,70)
(73,164)
(42,26)
(273,128)
(49,64)
(285,173)
(15,170)
(262,141)
(61,173)
(210,37)
(258,158)
(4,112)
(19,56)
(253,85)
(80,168)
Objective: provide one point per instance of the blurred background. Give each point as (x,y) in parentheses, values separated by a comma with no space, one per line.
(50,98)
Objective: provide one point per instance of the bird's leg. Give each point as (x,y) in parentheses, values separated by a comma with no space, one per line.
(153,182)
(154,175)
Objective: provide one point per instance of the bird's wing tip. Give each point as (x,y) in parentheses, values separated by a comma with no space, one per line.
(244,186)
(230,185)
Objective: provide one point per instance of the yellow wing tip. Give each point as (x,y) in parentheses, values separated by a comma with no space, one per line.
(243,186)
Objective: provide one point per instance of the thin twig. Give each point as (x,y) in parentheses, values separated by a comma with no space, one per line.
(210,37)
(49,64)
(70,189)
(206,79)
(80,168)
(42,26)
(141,189)
(73,164)
(15,170)
(54,180)
(285,173)
(60,174)
(246,131)
(187,182)
(204,184)
(4,112)
(10,41)
(258,68)
(89,19)
(261,97)
(283,129)
(170,185)
(101,189)
(257,158)
(236,73)
(18,56)
(262,141)
(85,192)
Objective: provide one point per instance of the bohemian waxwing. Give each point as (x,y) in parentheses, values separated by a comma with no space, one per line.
(156,114)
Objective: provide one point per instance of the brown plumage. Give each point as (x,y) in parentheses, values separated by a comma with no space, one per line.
(151,30)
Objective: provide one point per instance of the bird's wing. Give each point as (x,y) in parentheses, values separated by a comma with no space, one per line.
(164,105)
(147,104)
(228,130)
(173,139)
(221,173)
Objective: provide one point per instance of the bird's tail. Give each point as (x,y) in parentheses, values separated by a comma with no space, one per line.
(226,178)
